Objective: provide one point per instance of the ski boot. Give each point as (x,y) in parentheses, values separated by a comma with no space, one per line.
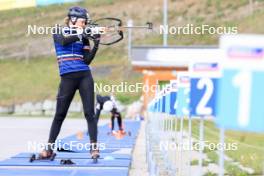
(94,151)
(45,155)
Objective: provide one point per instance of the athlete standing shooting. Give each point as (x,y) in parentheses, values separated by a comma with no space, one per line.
(74,55)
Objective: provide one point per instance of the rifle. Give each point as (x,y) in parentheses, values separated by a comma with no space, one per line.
(111,30)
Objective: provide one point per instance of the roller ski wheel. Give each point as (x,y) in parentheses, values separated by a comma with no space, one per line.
(32,158)
(95,156)
(66,162)
(112,133)
(124,133)
(49,156)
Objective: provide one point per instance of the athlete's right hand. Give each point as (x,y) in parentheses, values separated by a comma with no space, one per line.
(86,33)
(96,38)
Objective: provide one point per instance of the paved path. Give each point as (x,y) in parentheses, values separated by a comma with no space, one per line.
(16,132)
(139,165)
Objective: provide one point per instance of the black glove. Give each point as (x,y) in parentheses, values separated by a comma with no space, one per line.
(87,33)
(96,38)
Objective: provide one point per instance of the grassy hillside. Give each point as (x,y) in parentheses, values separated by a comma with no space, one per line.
(29,70)
(38,78)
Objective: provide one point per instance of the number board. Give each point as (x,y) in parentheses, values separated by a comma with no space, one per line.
(241,89)
(159,102)
(183,99)
(173,96)
(204,78)
(167,98)
(155,105)
(152,106)
(163,100)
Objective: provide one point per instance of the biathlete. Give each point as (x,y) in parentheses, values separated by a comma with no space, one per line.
(108,103)
(74,55)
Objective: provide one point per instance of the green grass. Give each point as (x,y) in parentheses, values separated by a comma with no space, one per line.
(205,163)
(38,79)
(15,21)
(23,81)
(235,171)
(194,162)
(249,153)
(210,174)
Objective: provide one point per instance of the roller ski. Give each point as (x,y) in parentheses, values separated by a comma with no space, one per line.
(94,154)
(44,156)
(66,162)
(119,134)
(125,133)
